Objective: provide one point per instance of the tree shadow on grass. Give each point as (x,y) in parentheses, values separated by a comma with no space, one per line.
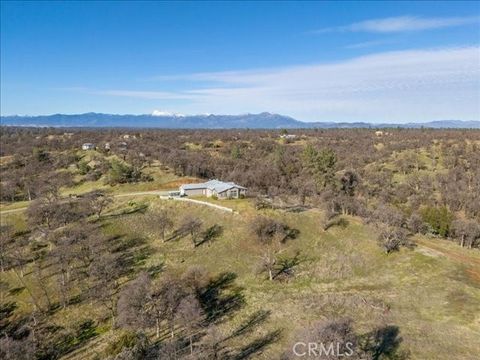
(210,234)
(285,267)
(177,235)
(16,291)
(139,208)
(154,270)
(9,323)
(257,345)
(384,343)
(66,341)
(133,251)
(250,323)
(221,297)
(336,221)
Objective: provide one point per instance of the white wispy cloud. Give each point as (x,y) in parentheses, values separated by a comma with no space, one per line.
(371,43)
(401,24)
(166,95)
(415,85)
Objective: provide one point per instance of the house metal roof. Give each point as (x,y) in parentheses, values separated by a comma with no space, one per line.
(214,185)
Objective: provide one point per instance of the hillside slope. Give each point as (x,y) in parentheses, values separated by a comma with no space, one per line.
(340,273)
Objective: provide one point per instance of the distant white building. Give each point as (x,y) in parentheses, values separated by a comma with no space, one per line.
(382,133)
(128,136)
(220,189)
(88,146)
(288,136)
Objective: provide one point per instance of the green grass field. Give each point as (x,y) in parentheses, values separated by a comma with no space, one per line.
(432,298)
(431,293)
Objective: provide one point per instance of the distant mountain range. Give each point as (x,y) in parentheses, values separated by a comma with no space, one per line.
(263,120)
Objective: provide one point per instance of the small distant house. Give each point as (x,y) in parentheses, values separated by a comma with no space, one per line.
(220,189)
(88,146)
(288,136)
(128,136)
(94,164)
(382,133)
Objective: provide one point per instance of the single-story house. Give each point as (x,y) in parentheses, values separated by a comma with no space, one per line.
(88,146)
(220,189)
(288,136)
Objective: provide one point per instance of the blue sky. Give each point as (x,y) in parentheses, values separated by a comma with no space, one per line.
(315,61)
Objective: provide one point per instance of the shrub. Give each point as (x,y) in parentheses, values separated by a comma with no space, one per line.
(416,224)
(391,238)
(265,229)
(128,340)
(83,167)
(439,219)
(121,173)
(93,175)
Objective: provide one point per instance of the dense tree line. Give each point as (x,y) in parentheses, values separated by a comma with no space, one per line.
(431,177)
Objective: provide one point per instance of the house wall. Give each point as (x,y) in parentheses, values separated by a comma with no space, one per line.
(234,193)
(193,192)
